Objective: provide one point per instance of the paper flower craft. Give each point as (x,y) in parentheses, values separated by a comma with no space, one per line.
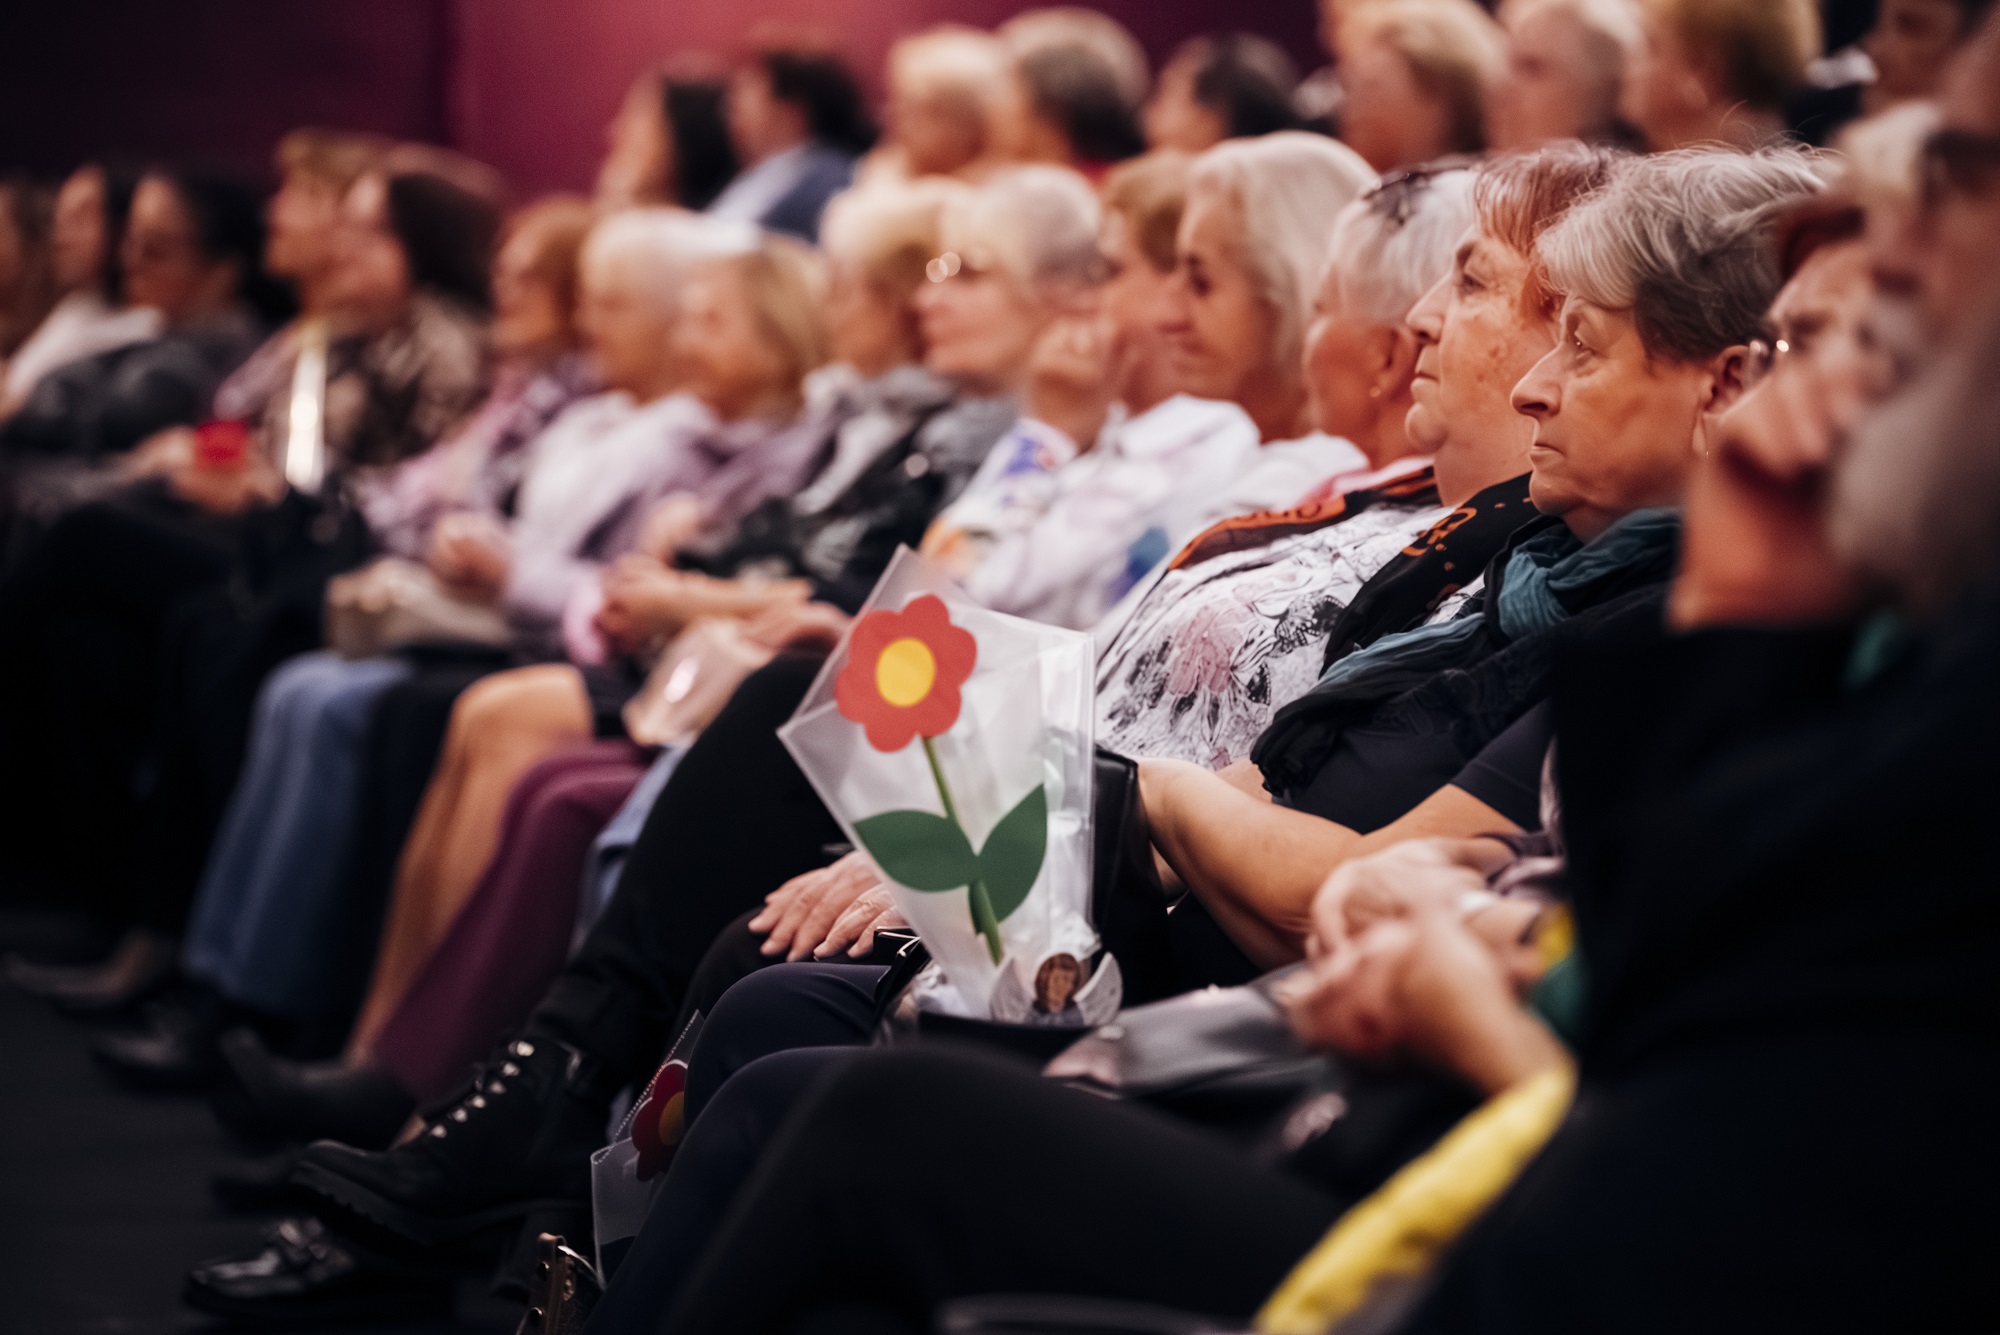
(902,681)
(903,674)
(657,1125)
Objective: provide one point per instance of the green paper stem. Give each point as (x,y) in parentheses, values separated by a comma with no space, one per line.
(980,902)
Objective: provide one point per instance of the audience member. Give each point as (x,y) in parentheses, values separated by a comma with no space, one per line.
(86,233)
(1081,79)
(797,124)
(1235,86)
(1414,77)
(27,278)
(1565,66)
(668,144)
(951,96)
(1717,71)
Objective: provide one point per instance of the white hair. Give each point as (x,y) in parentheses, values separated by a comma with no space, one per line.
(1039,222)
(1683,240)
(1286,189)
(1391,245)
(652,251)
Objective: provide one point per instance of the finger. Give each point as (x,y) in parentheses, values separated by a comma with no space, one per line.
(786,934)
(840,895)
(846,928)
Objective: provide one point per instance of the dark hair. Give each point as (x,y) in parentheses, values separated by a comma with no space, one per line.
(1246,80)
(698,129)
(447,234)
(1076,90)
(29,209)
(228,216)
(120,180)
(820,84)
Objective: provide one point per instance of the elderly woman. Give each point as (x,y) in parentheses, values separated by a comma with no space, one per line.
(1653,327)
(1565,66)
(949,90)
(1717,71)
(1414,75)
(1080,501)
(668,144)
(1251,245)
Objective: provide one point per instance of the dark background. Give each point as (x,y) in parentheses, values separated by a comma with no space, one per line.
(526,85)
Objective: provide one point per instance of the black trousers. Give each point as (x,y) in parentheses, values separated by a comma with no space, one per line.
(910,1177)
(737,820)
(86,616)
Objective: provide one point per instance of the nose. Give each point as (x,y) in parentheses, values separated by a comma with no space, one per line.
(1174,316)
(1426,318)
(1539,394)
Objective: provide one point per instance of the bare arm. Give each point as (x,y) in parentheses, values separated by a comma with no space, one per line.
(1256,866)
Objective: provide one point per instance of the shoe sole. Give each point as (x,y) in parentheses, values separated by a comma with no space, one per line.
(426,1230)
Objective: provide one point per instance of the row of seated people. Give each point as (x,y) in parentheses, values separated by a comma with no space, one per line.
(1369,488)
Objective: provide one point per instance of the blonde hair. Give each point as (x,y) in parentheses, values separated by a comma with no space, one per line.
(888,230)
(1286,188)
(1039,222)
(1453,48)
(333,158)
(655,248)
(1150,194)
(964,68)
(1762,47)
(785,281)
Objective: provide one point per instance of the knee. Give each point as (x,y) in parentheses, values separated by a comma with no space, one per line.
(526,700)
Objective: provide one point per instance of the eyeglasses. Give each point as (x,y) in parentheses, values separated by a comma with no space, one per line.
(1395,195)
(951,264)
(1959,162)
(1763,358)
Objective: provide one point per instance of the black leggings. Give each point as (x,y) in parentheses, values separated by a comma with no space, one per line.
(736,821)
(911,1177)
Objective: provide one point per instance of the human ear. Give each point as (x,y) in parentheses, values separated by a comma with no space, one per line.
(1395,361)
(1726,371)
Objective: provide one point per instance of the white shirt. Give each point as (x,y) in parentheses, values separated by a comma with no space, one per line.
(1047,533)
(1279,475)
(82,324)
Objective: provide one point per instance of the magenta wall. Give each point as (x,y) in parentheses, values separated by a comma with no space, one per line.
(525,84)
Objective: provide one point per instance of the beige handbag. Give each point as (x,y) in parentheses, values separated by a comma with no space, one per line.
(393,602)
(693,679)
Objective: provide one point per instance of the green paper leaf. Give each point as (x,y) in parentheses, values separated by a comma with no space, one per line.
(1013,854)
(922,851)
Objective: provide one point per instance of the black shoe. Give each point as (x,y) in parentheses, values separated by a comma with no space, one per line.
(518,1142)
(304,1275)
(142,963)
(174,1048)
(271,1098)
(258,1186)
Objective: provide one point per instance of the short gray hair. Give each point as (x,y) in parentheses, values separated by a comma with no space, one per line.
(1391,245)
(1287,187)
(1039,222)
(1683,240)
(655,249)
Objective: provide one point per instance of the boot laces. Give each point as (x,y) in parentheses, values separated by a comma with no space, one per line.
(489,1081)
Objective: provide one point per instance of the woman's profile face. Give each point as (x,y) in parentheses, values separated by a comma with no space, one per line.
(1614,426)
(1223,329)
(1387,117)
(1541,95)
(373,273)
(1174,118)
(300,225)
(628,333)
(979,321)
(1479,332)
(164,266)
(77,238)
(937,132)
(868,328)
(1338,375)
(528,317)
(730,366)
(1136,301)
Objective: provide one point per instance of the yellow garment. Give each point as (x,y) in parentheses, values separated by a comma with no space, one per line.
(1403,1226)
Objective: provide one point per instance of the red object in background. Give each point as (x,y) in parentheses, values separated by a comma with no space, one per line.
(222,444)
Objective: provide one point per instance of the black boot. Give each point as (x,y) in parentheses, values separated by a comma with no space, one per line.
(305,1275)
(265,1097)
(518,1142)
(140,965)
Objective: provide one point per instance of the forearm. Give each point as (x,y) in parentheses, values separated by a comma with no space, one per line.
(1255,865)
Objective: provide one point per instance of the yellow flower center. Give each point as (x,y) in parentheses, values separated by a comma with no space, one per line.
(905,672)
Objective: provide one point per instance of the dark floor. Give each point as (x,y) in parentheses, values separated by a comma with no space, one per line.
(104,1198)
